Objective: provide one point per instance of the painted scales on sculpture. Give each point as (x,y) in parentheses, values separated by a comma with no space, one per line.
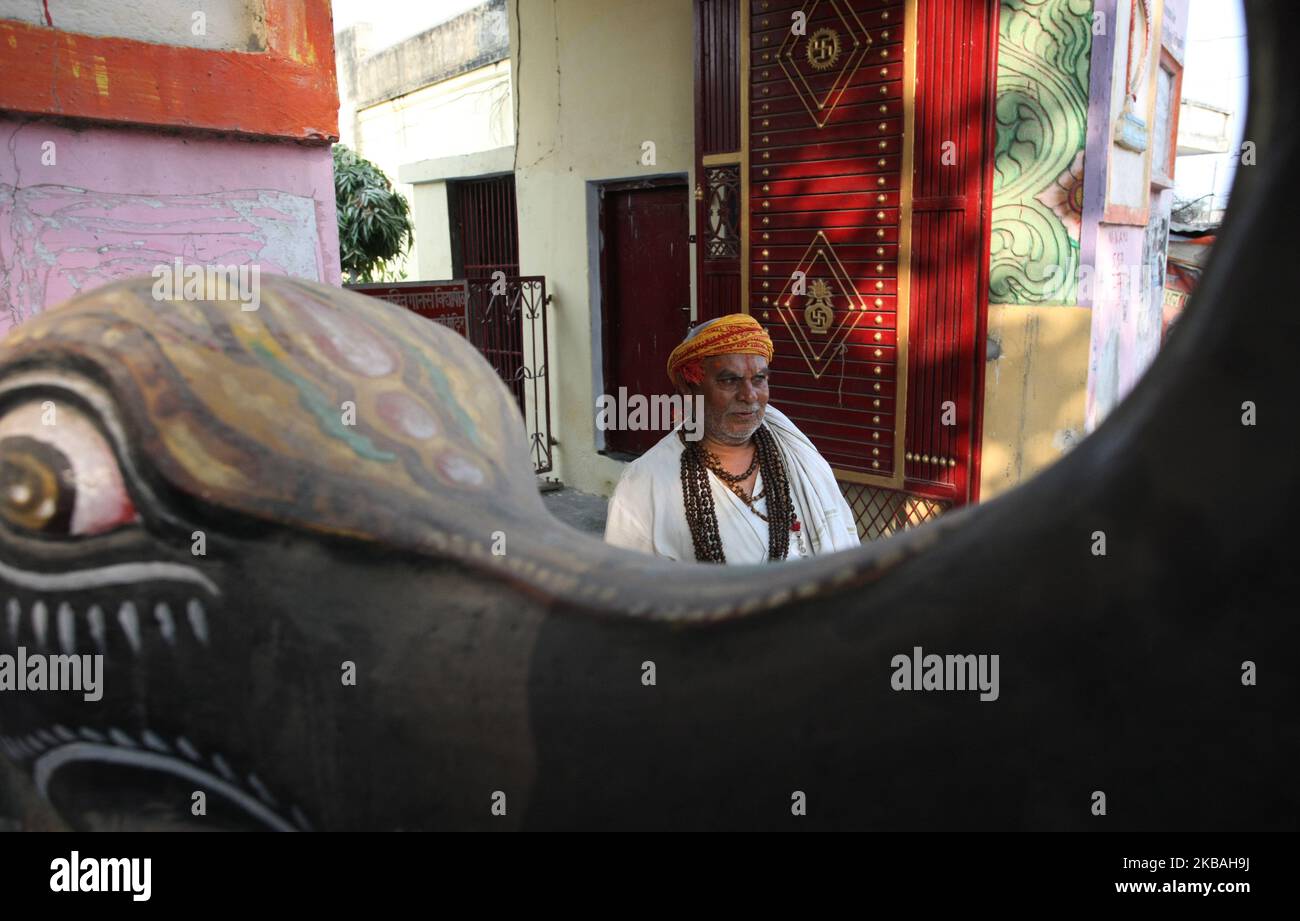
(864,165)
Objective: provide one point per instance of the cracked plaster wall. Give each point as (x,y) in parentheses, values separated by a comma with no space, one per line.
(117,202)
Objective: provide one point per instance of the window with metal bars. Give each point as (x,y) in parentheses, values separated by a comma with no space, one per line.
(484,227)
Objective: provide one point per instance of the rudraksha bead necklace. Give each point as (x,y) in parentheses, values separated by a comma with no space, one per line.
(701,516)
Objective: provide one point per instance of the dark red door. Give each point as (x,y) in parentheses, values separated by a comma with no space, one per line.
(645,293)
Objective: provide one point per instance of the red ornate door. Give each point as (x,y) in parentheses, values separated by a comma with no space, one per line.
(865,172)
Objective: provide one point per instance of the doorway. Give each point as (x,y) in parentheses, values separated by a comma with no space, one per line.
(485,251)
(645,293)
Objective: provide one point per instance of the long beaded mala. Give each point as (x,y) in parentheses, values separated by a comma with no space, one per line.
(701,516)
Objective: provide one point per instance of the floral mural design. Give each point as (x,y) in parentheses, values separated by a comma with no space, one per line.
(1065,197)
(1042,120)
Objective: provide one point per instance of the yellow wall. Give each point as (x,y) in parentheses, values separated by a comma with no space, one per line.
(468,113)
(595,79)
(1034,391)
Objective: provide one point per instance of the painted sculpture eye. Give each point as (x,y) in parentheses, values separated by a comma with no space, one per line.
(58,475)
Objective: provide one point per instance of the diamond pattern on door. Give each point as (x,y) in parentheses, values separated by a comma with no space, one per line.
(821,63)
(821,318)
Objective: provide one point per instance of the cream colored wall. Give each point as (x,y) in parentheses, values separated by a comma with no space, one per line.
(597,78)
(468,113)
(1034,391)
(432,230)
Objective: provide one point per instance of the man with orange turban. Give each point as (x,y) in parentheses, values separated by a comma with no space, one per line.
(752,489)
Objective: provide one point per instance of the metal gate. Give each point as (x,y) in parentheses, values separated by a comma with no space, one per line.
(500,310)
(485,252)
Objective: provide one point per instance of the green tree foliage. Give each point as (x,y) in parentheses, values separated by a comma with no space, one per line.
(374,219)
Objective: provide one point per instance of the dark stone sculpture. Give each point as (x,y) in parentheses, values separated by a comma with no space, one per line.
(328,543)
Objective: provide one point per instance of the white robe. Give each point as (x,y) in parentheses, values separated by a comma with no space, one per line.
(648,511)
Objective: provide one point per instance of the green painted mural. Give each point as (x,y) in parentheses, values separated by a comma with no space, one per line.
(1042,120)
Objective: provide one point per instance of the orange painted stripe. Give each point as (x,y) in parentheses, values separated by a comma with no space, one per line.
(287,91)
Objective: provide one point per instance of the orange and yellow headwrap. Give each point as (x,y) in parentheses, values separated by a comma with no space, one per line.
(733,334)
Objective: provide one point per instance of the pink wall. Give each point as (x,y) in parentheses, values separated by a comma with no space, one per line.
(117,202)
(1126,261)
(1112,361)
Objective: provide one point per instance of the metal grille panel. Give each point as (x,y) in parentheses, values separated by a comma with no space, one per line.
(499,312)
(881,512)
(486,226)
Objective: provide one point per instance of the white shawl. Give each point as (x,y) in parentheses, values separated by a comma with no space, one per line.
(647,511)
(813,488)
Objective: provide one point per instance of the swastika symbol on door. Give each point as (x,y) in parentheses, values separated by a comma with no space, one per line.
(823,49)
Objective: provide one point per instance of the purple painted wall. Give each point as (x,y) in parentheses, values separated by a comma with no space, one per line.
(1125,261)
(82,206)
(1100,74)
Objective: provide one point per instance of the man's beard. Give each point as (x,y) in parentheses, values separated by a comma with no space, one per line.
(718,433)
